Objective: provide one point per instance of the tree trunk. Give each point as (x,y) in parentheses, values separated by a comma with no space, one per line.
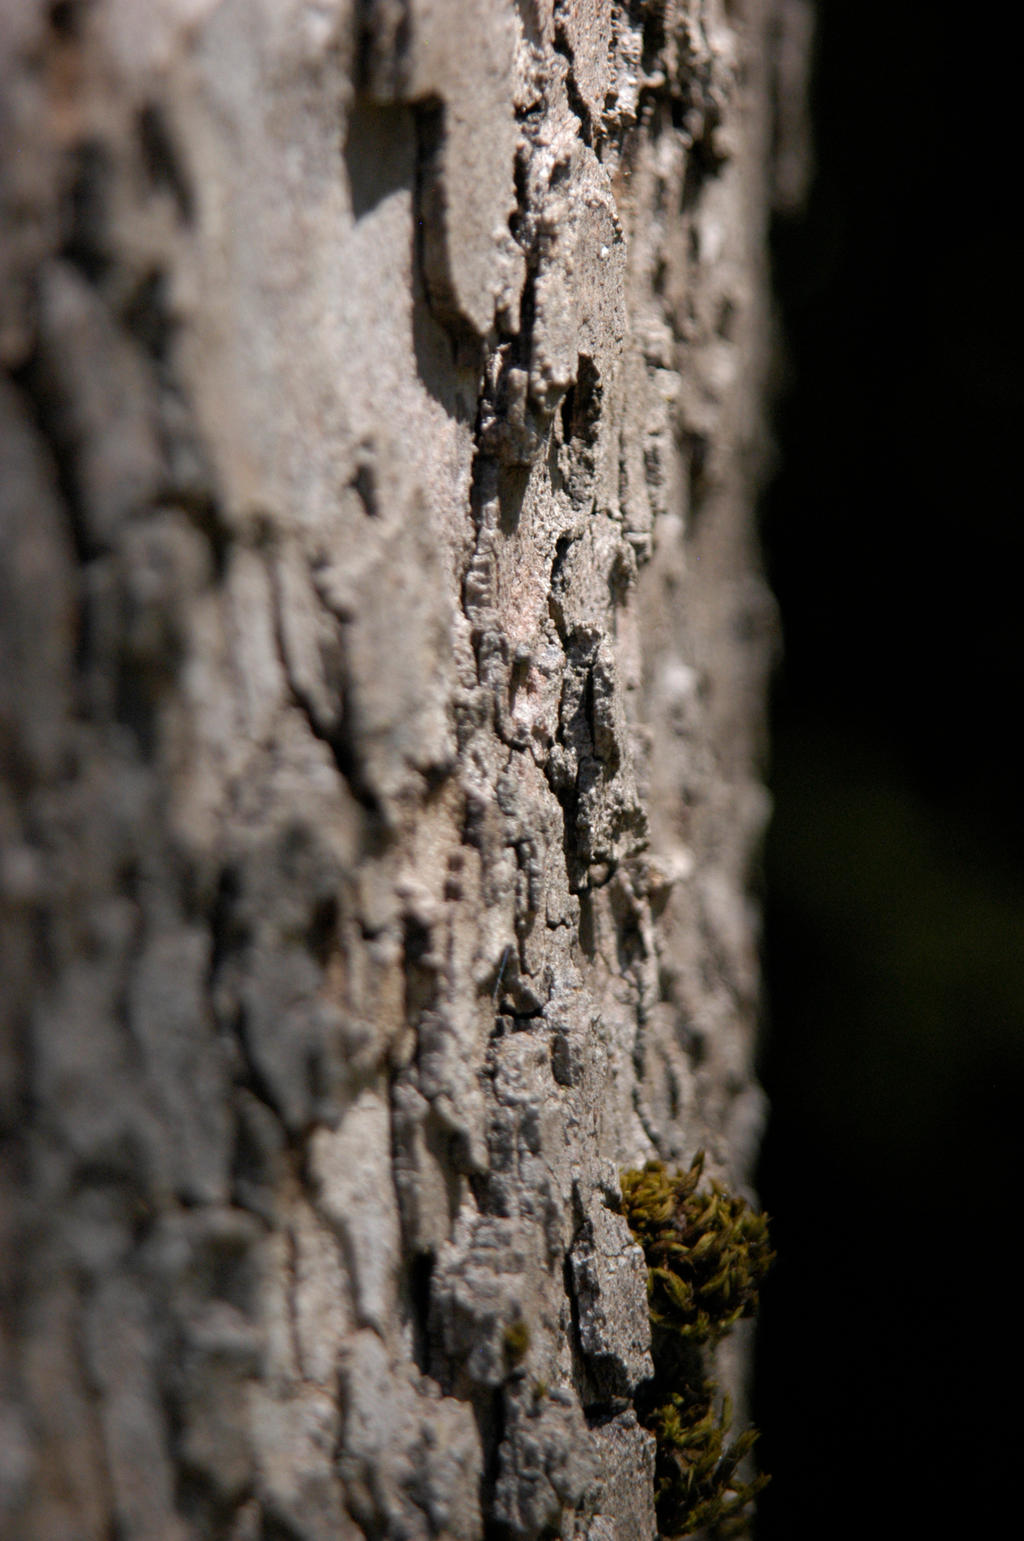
(384,660)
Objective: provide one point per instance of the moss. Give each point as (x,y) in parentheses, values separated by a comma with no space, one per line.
(516,1342)
(707,1252)
(695,1485)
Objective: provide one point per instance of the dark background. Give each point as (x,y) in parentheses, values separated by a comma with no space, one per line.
(889,1366)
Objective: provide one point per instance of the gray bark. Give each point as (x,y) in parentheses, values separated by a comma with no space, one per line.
(384,653)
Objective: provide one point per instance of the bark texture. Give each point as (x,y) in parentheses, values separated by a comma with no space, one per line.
(384,659)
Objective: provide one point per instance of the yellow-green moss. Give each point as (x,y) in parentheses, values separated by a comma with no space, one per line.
(707,1252)
(516,1341)
(695,1485)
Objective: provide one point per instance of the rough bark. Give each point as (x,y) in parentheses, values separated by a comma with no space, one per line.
(384,658)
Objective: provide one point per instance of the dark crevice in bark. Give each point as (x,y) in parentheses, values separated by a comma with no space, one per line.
(521,181)
(375,170)
(697,448)
(581,405)
(576,102)
(163,161)
(230,937)
(433,217)
(84,211)
(274,1527)
(38,387)
(421,968)
(323,929)
(147,316)
(66,16)
(419,1274)
(652,22)
(343,740)
(253,1078)
(702,165)
(344,747)
(491,1418)
(580,1374)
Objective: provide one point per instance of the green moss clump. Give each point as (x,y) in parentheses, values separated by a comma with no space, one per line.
(695,1482)
(706,1253)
